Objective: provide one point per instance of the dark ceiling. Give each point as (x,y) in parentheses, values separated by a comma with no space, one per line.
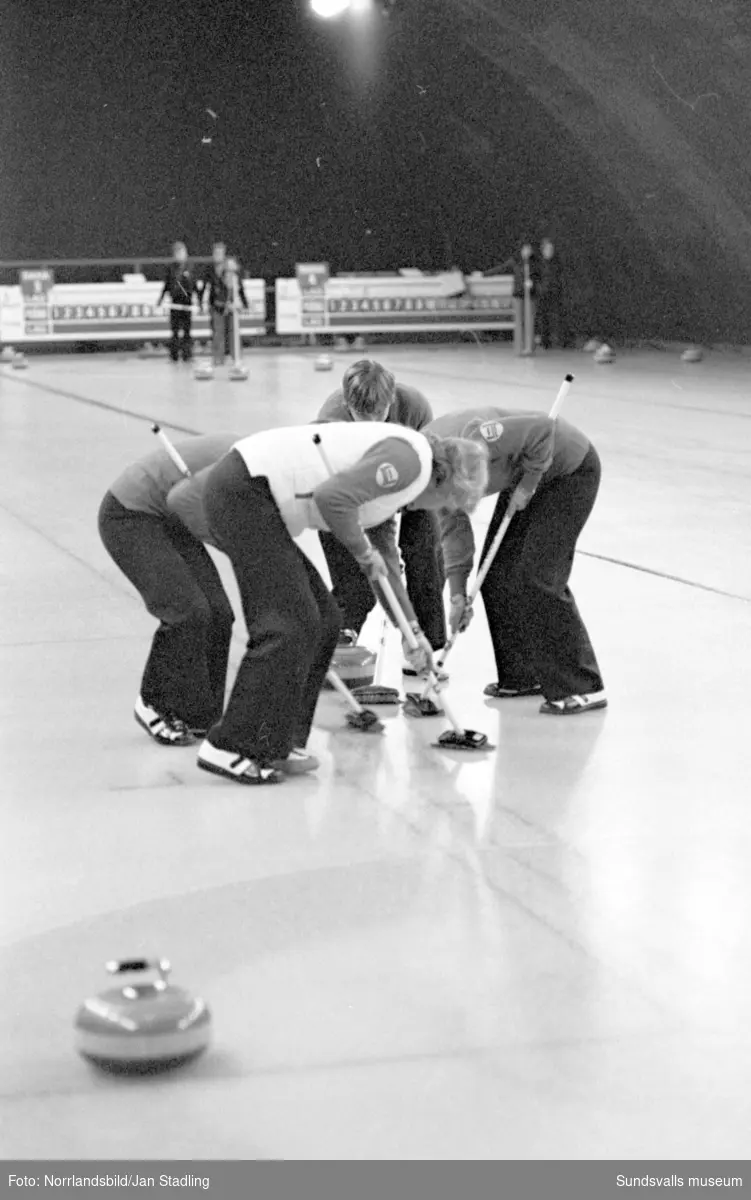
(445,134)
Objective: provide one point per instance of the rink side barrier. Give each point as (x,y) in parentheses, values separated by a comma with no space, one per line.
(41,310)
(398,303)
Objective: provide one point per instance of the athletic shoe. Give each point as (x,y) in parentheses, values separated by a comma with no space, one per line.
(297,762)
(503,691)
(234,766)
(162,727)
(571,706)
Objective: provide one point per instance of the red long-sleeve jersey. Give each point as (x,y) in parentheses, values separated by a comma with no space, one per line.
(524,448)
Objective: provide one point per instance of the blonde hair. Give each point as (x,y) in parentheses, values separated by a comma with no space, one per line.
(369,389)
(460,470)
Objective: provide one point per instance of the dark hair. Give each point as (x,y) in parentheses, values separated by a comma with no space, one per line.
(368,387)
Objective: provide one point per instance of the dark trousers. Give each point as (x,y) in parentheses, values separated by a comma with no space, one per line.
(218,336)
(420,548)
(222,333)
(186,671)
(292,620)
(181,342)
(537,633)
(550,324)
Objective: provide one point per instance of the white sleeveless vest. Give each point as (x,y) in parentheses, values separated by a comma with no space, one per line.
(294,467)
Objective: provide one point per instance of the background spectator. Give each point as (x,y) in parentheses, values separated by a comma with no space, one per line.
(550,316)
(217,292)
(232,269)
(180,285)
(515,266)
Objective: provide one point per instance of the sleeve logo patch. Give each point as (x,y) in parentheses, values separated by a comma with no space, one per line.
(387,475)
(491,430)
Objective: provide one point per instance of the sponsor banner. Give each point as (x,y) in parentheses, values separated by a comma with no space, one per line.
(312,277)
(396,304)
(417,308)
(36,291)
(105,312)
(311,280)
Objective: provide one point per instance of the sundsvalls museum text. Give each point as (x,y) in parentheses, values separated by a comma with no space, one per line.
(673,1181)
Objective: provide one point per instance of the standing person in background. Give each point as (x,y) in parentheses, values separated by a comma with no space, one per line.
(216,295)
(550,298)
(232,271)
(515,266)
(180,285)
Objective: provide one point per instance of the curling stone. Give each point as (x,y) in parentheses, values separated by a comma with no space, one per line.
(693,354)
(8,354)
(592,346)
(238,372)
(354,665)
(605,354)
(324,362)
(204,370)
(149,350)
(142,1028)
(20,362)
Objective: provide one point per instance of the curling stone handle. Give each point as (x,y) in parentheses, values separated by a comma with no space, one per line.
(125,966)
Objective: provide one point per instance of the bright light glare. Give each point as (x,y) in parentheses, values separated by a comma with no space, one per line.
(329,8)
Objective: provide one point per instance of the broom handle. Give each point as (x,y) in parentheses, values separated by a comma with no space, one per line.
(384,619)
(411,640)
(388,591)
(563,391)
(381,652)
(177,460)
(344,691)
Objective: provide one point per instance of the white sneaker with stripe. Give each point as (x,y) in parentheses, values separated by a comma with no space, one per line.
(231,765)
(572,706)
(164,729)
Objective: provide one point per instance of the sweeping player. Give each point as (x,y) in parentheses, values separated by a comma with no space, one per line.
(370,393)
(550,472)
(345,479)
(182,690)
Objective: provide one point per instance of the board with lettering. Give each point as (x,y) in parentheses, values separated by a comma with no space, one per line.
(398,303)
(38,310)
